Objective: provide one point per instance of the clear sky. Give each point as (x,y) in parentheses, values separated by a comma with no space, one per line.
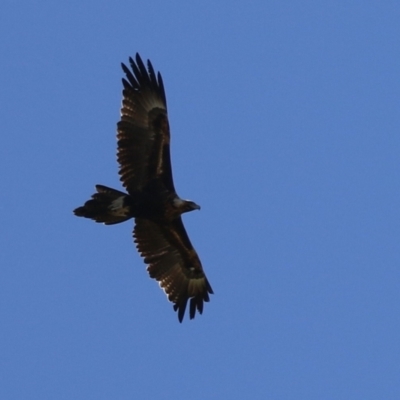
(285,129)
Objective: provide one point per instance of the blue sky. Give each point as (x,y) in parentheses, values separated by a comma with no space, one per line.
(285,129)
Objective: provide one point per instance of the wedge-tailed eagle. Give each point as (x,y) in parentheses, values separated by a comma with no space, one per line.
(145,171)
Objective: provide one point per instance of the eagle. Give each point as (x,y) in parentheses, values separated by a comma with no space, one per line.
(143,154)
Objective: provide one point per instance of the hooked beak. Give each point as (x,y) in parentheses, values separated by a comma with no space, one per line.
(196,206)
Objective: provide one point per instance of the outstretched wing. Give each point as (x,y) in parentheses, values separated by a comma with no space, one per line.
(143,131)
(174,263)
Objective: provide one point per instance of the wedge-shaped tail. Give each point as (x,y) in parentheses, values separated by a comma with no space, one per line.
(108,206)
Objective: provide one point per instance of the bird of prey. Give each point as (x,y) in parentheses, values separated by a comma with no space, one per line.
(145,171)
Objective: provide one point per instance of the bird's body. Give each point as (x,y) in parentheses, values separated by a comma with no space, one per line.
(146,173)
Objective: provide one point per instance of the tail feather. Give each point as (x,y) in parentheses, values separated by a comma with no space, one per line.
(108,206)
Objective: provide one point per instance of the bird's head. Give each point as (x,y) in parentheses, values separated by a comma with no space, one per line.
(185,205)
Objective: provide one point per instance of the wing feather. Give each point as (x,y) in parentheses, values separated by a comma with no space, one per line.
(143,130)
(174,263)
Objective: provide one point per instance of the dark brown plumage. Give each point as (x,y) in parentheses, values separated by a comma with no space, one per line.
(145,171)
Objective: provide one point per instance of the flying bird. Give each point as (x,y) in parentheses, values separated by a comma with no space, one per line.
(143,153)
